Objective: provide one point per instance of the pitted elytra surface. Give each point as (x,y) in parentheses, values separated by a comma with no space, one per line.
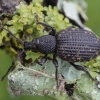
(76,45)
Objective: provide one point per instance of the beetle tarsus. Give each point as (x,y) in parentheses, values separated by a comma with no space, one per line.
(11,68)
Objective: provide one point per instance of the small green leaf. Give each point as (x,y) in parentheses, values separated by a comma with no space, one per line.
(33,55)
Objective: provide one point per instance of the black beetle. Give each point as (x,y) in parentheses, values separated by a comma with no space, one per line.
(71,44)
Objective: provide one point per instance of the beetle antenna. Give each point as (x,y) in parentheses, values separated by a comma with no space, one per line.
(22,42)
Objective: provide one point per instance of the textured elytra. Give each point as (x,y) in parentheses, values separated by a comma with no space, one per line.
(76,45)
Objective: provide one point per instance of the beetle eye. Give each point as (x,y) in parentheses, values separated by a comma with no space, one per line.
(34,45)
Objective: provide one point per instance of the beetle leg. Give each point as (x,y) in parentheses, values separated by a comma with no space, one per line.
(78,67)
(55,62)
(53,30)
(42,60)
(11,68)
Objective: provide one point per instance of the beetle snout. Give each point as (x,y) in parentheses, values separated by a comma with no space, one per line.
(27,45)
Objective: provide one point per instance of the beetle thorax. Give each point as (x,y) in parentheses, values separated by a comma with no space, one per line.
(46,44)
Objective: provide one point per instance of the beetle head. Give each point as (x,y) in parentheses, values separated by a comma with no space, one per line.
(31,45)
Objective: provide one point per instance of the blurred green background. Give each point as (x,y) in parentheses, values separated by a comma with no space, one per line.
(93,13)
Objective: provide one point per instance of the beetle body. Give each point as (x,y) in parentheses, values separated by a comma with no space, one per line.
(71,44)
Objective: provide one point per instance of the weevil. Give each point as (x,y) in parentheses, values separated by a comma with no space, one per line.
(70,44)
